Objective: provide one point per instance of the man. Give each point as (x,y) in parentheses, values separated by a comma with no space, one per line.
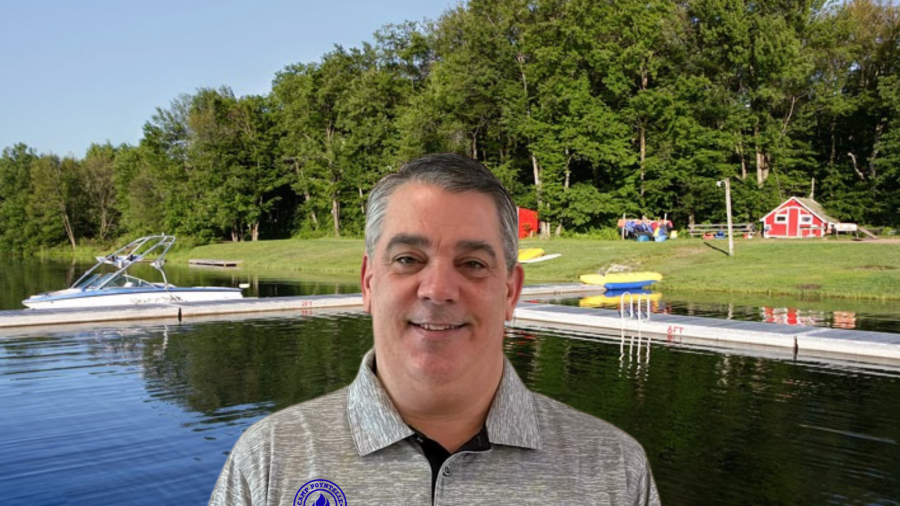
(437,415)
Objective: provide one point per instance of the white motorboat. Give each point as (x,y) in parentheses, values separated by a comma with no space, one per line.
(118,288)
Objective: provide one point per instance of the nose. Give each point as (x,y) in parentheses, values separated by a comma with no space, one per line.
(439,283)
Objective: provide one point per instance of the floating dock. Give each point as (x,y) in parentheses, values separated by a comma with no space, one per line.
(206,262)
(867,346)
(870,347)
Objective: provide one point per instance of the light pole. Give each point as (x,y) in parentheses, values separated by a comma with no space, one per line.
(727,182)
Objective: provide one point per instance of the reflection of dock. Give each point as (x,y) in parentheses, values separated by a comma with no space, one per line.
(661,328)
(206,262)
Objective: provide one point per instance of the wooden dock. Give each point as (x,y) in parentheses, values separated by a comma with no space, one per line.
(206,262)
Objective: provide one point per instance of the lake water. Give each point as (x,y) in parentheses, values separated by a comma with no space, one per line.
(147,415)
(133,415)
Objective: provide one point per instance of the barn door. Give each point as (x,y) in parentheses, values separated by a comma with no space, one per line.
(794,222)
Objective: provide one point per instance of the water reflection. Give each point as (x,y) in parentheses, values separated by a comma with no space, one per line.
(624,299)
(727,429)
(636,305)
(850,315)
(146,415)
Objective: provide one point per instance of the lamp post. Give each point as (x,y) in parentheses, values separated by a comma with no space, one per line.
(727,182)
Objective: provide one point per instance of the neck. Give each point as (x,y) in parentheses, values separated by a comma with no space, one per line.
(447,412)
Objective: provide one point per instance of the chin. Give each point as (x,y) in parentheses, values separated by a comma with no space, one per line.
(434,365)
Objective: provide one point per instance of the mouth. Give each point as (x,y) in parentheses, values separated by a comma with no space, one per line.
(437,327)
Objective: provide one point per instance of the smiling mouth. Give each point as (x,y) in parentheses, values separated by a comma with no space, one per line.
(436,327)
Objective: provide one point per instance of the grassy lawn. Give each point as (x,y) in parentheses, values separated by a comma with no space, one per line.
(864,270)
(321,256)
(827,268)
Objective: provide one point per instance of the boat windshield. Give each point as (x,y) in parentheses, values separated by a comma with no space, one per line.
(127,281)
(95,281)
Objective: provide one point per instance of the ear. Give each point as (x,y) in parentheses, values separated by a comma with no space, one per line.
(365,280)
(514,284)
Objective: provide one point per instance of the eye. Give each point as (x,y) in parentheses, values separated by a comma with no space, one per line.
(407,263)
(406,260)
(474,268)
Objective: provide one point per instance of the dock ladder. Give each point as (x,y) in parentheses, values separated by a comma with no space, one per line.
(633,311)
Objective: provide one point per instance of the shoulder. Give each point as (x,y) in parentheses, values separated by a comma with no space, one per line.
(275,448)
(310,419)
(568,429)
(597,452)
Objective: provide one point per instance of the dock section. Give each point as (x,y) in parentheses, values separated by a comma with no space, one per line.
(175,311)
(207,262)
(676,329)
(873,347)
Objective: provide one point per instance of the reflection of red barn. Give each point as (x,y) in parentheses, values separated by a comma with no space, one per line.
(797,217)
(528,222)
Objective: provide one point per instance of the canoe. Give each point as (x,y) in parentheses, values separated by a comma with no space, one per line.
(622,280)
(530,254)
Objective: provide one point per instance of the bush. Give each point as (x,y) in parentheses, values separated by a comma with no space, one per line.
(601,234)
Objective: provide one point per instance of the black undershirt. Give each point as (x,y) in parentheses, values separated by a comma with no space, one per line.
(437,454)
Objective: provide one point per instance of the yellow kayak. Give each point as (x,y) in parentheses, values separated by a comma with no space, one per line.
(530,254)
(622,280)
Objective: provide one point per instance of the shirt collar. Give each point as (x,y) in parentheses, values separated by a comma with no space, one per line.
(376,424)
(374,421)
(512,420)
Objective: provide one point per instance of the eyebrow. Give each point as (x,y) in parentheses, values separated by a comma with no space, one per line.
(419,241)
(407,240)
(470,246)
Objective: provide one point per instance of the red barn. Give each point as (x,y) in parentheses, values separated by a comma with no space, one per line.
(797,217)
(528,222)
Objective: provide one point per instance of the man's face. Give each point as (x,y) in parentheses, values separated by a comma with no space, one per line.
(437,287)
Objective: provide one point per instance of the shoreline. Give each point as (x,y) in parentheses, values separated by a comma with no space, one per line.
(811,268)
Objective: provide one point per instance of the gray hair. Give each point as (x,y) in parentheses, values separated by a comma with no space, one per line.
(452,173)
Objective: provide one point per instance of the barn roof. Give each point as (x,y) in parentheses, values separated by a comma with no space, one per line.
(810,205)
(816,209)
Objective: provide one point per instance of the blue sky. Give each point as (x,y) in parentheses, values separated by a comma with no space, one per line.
(73,72)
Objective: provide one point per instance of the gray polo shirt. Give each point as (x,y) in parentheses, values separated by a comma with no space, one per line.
(542,452)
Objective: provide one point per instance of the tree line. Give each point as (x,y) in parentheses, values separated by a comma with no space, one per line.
(586,110)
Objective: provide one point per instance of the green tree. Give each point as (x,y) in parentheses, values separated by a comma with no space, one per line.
(887,200)
(53,203)
(232,150)
(338,130)
(15,188)
(159,181)
(99,189)
(140,193)
(260,175)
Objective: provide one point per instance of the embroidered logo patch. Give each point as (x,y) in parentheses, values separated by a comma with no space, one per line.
(320,493)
